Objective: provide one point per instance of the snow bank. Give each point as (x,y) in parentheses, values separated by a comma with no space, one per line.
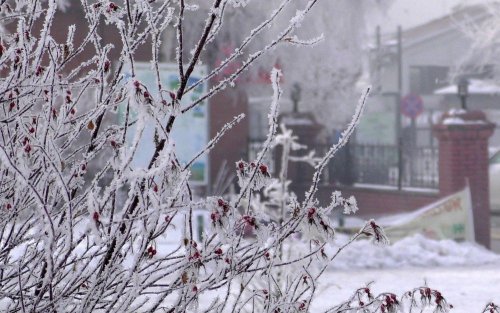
(410,252)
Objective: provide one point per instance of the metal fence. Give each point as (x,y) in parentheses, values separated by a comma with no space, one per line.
(371,164)
(396,166)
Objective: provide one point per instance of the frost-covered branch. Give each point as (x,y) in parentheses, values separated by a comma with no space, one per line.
(84,229)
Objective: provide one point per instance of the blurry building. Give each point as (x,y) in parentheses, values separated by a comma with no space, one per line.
(223,107)
(431,56)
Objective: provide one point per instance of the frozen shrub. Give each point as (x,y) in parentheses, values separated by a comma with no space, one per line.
(82,230)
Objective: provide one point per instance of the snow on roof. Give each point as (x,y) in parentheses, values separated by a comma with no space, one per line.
(441,25)
(476,87)
(448,21)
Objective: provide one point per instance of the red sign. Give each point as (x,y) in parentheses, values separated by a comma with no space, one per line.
(412,105)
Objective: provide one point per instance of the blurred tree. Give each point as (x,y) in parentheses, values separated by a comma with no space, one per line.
(329,85)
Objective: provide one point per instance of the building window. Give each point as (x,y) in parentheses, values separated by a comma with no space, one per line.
(425,79)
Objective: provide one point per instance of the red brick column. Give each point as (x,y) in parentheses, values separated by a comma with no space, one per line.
(463,155)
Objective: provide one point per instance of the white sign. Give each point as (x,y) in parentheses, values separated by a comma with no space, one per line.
(448,218)
(190,133)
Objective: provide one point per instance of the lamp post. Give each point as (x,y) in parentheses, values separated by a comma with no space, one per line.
(463,91)
(295,96)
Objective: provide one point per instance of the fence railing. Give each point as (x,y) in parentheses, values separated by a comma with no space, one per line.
(371,164)
(393,165)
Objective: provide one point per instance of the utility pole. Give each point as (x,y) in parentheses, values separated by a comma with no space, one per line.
(378,42)
(400,81)
(398,107)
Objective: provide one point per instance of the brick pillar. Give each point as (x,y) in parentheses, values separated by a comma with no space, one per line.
(305,127)
(463,155)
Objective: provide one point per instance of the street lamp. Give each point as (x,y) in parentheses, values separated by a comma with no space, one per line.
(295,96)
(463,91)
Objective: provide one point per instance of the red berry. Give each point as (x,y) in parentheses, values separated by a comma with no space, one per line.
(263,169)
(111,7)
(39,70)
(151,251)
(241,165)
(95,216)
(311,212)
(107,64)
(214,216)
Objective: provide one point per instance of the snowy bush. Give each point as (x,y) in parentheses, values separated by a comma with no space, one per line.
(84,231)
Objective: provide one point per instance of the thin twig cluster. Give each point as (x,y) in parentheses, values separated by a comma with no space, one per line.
(83,230)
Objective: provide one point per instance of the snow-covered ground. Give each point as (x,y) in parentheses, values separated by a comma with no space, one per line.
(411,251)
(467,274)
(468,289)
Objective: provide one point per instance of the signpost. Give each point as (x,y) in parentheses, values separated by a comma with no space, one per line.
(412,106)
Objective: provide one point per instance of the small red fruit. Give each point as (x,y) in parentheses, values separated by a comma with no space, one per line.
(107,65)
